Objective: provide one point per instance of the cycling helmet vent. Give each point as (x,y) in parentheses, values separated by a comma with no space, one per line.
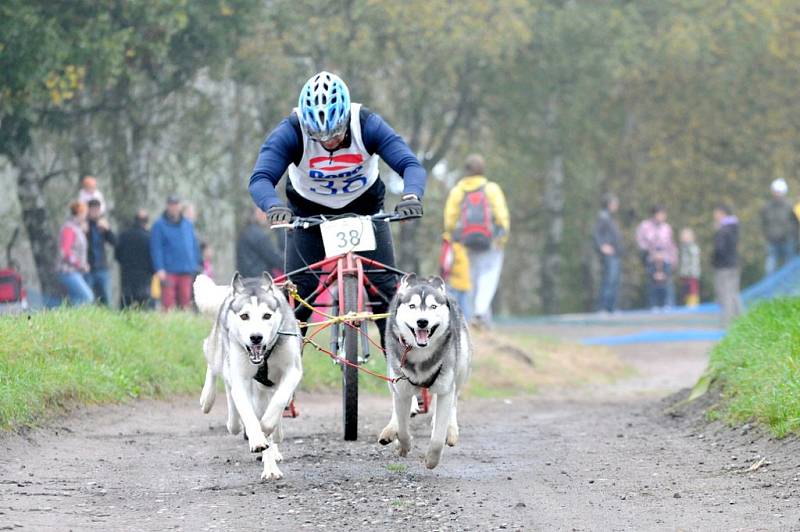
(324,105)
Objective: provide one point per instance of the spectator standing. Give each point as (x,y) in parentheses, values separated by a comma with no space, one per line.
(476,215)
(689,270)
(779,225)
(207,256)
(454,269)
(656,243)
(136,267)
(255,249)
(607,241)
(72,260)
(725,260)
(89,191)
(98,234)
(176,255)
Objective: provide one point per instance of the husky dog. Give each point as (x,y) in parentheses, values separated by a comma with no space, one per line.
(255,345)
(427,346)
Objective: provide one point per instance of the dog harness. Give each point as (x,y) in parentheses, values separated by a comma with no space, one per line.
(426,384)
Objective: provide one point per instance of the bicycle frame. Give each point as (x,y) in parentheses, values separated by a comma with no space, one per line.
(349,264)
(338,270)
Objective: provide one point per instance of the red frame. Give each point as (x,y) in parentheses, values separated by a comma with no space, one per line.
(344,265)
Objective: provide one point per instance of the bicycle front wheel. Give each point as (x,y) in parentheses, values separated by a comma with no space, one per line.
(350,373)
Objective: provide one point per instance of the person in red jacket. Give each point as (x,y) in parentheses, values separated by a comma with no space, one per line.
(73,263)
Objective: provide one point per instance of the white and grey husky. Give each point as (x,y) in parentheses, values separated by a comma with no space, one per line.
(427,346)
(255,345)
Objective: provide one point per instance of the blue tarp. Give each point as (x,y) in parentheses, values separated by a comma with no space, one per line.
(655,336)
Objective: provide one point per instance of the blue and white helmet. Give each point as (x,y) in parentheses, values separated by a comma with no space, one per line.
(324,105)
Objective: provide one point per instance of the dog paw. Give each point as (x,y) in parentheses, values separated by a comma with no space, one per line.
(276,454)
(234,426)
(432,457)
(452,435)
(271,472)
(206,401)
(403,446)
(258,442)
(388,434)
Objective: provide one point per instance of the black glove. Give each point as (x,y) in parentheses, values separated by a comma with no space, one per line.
(409,207)
(279,214)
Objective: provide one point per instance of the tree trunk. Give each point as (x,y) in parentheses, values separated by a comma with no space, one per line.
(38,224)
(127,156)
(551,260)
(554,209)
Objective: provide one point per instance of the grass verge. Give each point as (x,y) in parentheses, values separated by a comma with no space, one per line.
(757,368)
(53,360)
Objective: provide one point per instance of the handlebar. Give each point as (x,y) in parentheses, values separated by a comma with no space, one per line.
(299,222)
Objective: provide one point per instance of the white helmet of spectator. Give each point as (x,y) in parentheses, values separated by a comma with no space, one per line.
(779,186)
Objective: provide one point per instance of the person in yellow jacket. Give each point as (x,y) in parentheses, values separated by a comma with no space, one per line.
(476,215)
(454,268)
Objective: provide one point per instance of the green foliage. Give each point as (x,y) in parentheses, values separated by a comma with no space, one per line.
(757,366)
(682,102)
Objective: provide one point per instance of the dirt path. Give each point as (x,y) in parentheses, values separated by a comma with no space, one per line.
(599,458)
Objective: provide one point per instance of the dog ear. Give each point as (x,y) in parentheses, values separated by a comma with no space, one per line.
(407,280)
(266,281)
(438,283)
(237,285)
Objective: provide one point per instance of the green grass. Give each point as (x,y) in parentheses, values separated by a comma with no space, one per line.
(757,367)
(53,360)
(397,468)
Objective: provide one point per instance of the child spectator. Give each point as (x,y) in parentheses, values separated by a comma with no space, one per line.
(689,271)
(659,279)
(454,269)
(89,192)
(207,254)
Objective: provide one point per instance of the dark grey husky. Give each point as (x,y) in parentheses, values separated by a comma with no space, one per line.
(427,346)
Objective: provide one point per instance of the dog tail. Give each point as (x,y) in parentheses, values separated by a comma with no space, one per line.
(209,296)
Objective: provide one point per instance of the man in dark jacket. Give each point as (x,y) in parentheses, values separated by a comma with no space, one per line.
(175,251)
(725,260)
(780,227)
(255,249)
(98,234)
(136,268)
(608,244)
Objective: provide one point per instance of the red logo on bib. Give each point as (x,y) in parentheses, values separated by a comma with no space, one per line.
(336,163)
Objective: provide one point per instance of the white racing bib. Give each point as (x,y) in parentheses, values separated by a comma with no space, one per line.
(335,179)
(353,233)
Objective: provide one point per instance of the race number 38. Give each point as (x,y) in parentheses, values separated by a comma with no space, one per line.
(348,234)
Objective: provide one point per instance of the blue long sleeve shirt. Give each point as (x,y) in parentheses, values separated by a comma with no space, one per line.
(284,146)
(174,247)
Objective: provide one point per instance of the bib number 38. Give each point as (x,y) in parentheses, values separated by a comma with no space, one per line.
(348,234)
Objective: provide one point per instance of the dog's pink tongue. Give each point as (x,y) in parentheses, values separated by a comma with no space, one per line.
(422,336)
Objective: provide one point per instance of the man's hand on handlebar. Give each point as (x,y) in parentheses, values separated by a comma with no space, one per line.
(279,215)
(409,207)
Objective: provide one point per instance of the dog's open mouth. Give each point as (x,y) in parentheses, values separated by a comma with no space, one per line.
(256,353)
(422,336)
